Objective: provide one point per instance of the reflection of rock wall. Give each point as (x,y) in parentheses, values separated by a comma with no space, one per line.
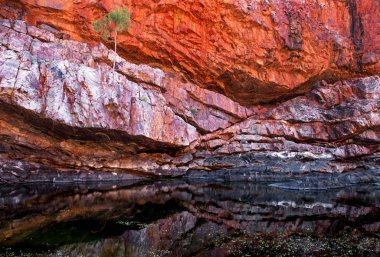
(248,208)
(62,106)
(176,235)
(159,235)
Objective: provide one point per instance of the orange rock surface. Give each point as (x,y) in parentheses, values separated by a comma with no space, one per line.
(250,51)
(277,86)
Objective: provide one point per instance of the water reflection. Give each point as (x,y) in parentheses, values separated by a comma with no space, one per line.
(182,218)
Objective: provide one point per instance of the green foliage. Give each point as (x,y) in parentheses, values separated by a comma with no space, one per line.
(194,111)
(120,17)
(115,22)
(143,98)
(102,27)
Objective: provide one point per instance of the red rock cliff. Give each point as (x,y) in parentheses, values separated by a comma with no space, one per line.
(251,51)
(188,84)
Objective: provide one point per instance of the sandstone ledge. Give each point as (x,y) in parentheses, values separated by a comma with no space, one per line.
(62,106)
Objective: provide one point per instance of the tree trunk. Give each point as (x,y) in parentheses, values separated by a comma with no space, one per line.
(114,60)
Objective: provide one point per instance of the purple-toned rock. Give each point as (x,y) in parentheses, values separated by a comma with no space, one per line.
(63,106)
(55,81)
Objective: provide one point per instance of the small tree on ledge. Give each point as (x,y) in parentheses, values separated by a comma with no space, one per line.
(115,22)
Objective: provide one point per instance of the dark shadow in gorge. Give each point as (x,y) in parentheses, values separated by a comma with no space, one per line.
(188,218)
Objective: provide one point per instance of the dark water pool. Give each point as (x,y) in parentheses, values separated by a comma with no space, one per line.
(181,218)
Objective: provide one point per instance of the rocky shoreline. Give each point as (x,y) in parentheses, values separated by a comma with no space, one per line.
(22,172)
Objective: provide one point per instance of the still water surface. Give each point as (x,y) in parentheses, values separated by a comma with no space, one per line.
(182,218)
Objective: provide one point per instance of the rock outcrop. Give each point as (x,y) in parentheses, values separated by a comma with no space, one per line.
(83,110)
(332,122)
(193,90)
(251,51)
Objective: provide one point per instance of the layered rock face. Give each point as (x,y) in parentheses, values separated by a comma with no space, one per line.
(251,51)
(332,122)
(180,112)
(63,104)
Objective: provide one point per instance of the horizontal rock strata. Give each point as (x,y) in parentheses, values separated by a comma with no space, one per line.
(251,51)
(339,121)
(62,106)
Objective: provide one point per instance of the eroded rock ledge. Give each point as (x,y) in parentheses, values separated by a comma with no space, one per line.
(63,107)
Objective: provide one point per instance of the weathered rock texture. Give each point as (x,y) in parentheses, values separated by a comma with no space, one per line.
(62,104)
(332,122)
(251,51)
(193,104)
